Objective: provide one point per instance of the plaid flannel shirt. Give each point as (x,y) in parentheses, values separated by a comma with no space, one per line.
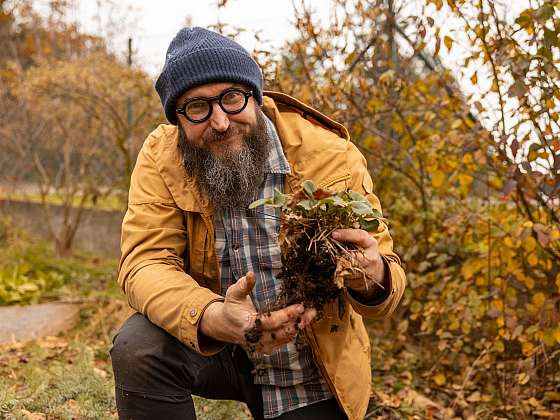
(247,240)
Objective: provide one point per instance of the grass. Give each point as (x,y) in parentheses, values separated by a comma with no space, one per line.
(68,376)
(111,202)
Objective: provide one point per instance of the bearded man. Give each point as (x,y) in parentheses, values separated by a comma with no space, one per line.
(197,265)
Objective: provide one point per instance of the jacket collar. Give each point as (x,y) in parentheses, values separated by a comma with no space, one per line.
(282,110)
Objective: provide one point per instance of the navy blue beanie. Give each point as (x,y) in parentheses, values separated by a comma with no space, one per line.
(197,56)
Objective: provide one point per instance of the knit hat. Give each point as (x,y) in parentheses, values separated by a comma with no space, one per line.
(197,56)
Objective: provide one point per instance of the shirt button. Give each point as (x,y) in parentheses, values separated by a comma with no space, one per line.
(235,247)
(192,312)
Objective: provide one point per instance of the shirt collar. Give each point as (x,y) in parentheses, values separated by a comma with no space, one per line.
(276,162)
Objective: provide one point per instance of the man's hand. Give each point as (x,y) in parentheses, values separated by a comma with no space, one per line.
(227,321)
(368,259)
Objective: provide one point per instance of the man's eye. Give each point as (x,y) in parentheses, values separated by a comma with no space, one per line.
(232,98)
(197,107)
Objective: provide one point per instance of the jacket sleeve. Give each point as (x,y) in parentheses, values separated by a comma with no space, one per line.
(361,181)
(151,268)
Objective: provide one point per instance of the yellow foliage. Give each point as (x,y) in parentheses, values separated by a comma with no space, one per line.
(529,282)
(465,180)
(538,299)
(456,124)
(556,334)
(510,243)
(549,337)
(523,378)
(532,259)
(474,78)
(530,244)
(469,268)
(439,379)
(499,346)
(531,308)
(438,178)
(533,154)
(527,348)
(448,41)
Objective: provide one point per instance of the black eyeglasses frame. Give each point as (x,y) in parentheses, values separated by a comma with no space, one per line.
(210,99)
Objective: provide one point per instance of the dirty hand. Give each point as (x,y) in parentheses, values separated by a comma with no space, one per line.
(229,320)
(367,282)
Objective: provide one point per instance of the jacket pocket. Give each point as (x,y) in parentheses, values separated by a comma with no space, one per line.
(337,182)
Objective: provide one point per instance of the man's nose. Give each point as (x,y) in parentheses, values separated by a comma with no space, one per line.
(219,120)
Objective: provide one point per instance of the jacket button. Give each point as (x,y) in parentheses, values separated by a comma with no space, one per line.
(192,312)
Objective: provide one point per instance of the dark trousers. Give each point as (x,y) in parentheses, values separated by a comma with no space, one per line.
(155,376)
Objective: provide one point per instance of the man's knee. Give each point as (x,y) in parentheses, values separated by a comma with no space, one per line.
(143,354)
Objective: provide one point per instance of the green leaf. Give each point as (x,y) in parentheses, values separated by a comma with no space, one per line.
(305,204)
(356,196)
(309,188)
(280,198)
(376,213)
(260,202)
(335,200)
(361,207)
(369,225)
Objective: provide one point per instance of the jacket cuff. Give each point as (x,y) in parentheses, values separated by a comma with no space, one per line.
(376,306)
(380,298)
(190,323)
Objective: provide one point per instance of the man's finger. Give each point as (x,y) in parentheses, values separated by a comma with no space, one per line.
(288,331)
(308,316)
(242,287)
(279,336)
(281,317)
(356,236)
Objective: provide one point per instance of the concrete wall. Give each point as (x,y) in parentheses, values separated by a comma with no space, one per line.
(99,230)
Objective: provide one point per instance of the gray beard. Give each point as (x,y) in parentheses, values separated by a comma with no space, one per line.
(231,180)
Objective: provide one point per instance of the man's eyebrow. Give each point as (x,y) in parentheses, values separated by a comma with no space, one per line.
(235,85)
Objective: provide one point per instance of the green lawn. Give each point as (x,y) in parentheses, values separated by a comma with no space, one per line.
(111,202)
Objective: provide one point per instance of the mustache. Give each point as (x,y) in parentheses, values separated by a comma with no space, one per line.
(212,135)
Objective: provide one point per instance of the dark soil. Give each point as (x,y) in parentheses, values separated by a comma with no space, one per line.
(307,274)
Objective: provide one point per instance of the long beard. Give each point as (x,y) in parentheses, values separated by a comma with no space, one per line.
(233,178)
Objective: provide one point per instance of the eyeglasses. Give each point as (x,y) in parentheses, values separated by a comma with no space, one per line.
(199,109)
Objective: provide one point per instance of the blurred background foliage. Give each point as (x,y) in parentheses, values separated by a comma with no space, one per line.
(468,173)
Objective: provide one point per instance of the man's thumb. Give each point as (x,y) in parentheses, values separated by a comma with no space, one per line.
(244,285)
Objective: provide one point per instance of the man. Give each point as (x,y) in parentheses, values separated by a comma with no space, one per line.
(198,266)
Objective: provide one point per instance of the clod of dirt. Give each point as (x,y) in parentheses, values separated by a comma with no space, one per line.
(254,334)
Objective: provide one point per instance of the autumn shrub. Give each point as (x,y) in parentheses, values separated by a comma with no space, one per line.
(470,182)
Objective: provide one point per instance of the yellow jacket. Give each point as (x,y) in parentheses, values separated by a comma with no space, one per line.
(169,268)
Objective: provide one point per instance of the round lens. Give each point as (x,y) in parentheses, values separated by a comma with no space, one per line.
(197,110)
(233,101)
